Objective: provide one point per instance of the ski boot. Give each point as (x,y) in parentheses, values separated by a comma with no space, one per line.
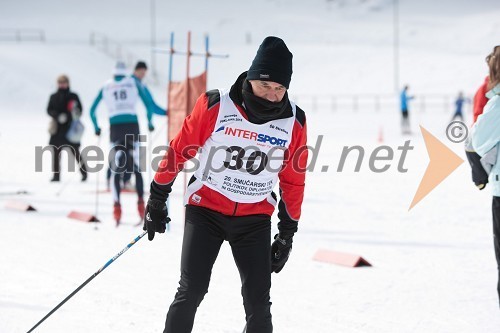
(140,208)
(117,213)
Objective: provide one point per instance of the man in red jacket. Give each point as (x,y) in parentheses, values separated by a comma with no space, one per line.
(251,137)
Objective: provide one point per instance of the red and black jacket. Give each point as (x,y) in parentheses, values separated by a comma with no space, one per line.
(198,127)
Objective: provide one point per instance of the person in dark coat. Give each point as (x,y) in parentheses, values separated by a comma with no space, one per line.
(64,106)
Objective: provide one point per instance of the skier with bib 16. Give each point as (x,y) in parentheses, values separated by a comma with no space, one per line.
(251,136)
(120,95)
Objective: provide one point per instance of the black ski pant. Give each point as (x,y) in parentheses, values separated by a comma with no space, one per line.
(405,120)
(124,137)
(123,164)
(126,175)
(56,158)
(496,236)
(250,240)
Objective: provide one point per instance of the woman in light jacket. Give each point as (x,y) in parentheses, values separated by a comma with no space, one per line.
(486,141)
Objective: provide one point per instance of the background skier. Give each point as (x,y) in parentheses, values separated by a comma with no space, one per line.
(120,95)
(140,72)
(405,111)
(459,107)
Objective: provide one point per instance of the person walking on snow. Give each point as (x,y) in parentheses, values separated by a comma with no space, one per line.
(405,112)
(486,142)
(251,136)
(64,106)
(120,95)
(459,107)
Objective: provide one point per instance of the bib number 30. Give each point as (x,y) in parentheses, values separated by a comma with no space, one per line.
(236,159)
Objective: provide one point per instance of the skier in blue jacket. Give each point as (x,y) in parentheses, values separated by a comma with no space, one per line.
(459,106)
(120,95)
(405,112)
(138,75)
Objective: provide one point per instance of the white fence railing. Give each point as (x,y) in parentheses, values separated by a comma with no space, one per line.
(112,48)
(22,35)
(377,102)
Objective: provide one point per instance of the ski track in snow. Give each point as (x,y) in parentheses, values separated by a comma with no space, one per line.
(433,268)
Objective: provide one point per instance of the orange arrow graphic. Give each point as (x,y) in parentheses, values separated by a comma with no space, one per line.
(442,163)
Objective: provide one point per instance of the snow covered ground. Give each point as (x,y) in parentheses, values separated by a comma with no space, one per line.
(433,267)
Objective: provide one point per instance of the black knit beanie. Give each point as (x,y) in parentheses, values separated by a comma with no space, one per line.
(273,62)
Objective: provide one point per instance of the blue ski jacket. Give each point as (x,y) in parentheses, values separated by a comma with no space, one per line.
(404,100)
(125,118)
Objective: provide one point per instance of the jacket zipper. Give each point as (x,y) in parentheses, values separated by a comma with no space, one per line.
(235,207)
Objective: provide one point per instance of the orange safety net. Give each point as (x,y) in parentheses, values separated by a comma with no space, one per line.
(179,108)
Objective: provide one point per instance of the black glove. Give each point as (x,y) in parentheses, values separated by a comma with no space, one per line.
(479,175)
(98,131)
(280,251)
(155,218)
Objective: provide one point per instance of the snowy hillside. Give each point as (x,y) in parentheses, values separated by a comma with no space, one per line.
(339,46)
(433,267)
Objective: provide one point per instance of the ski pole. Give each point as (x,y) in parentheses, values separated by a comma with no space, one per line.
(97,185)
(89,279)
(150,154)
